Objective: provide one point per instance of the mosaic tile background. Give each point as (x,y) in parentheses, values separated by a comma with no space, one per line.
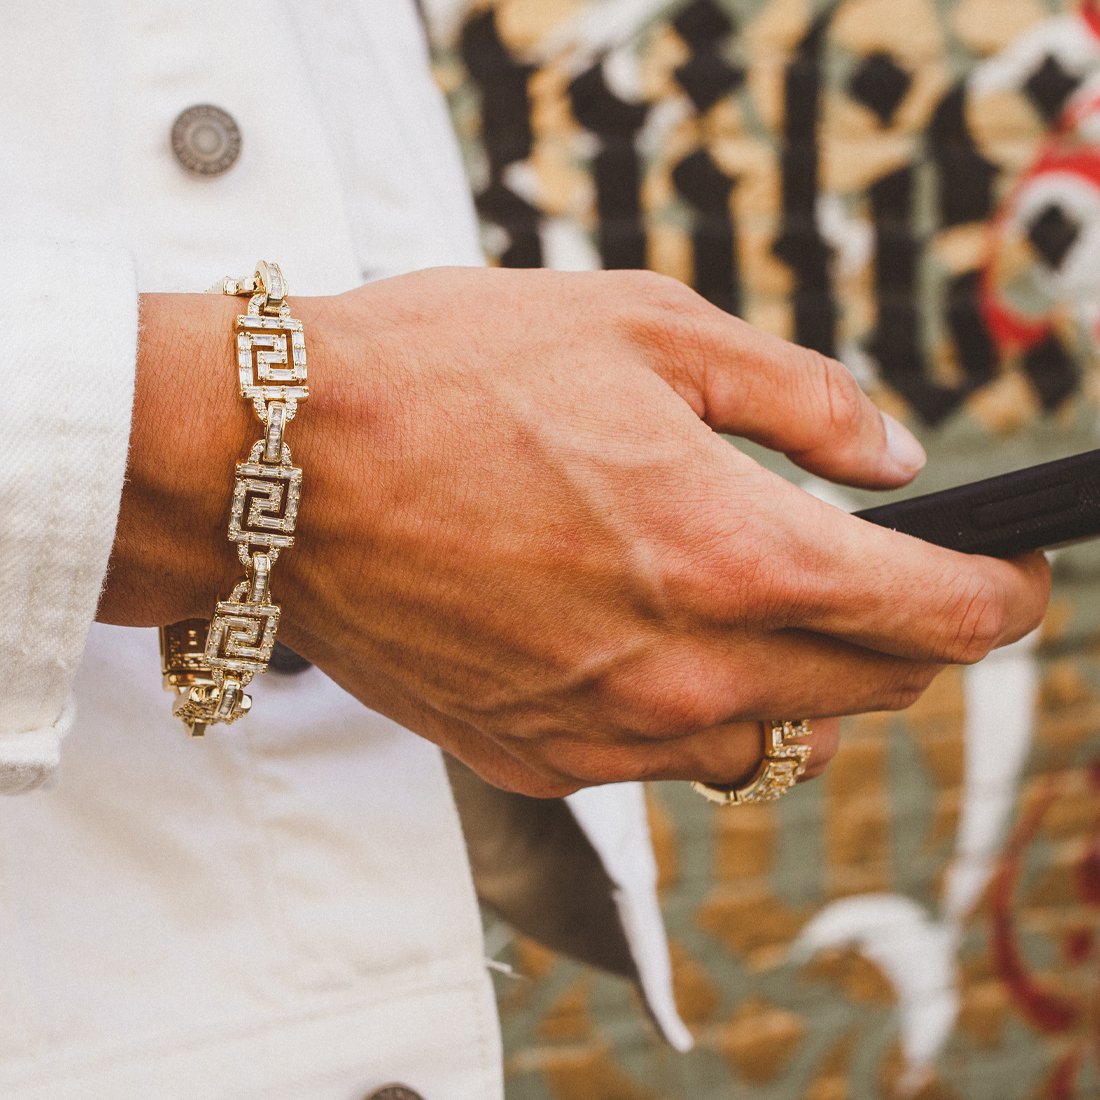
(914,186)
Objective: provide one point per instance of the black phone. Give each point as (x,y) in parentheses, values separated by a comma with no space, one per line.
(1031,509)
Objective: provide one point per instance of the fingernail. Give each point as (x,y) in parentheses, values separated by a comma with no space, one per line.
(902,446)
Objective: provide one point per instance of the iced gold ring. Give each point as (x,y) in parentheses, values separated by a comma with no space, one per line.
(784,762)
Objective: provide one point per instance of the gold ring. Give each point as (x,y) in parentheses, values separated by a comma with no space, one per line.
(785,760)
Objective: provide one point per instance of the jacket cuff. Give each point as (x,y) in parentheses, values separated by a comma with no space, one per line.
(29,758)
(68,344)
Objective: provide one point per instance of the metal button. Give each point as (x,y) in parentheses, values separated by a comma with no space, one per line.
(206,140)
(395,1092)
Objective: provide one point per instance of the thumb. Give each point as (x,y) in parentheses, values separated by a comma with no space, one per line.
(750,383)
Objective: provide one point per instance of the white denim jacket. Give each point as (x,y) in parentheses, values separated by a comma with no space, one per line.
(284,909)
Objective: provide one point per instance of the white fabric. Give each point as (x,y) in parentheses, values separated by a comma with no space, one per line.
(62,457)
(614,819)
(286,910)
(283,909)
(262,914)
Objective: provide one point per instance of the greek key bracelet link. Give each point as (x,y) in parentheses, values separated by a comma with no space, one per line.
(208,665)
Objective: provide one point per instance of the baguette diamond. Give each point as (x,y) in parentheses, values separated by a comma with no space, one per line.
(784,763)
(209,665)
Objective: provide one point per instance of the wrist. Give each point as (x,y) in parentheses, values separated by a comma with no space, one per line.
(170,556)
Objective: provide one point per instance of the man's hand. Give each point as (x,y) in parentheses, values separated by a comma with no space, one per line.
(521,536)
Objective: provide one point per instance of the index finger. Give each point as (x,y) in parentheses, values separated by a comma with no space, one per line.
(831,573)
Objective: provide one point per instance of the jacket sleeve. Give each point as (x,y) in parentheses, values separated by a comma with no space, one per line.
(68,341)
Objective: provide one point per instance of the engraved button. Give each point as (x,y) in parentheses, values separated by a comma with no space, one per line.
(395,1092)
(206,140)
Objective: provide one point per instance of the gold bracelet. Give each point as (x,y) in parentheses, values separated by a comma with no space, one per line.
(208,665)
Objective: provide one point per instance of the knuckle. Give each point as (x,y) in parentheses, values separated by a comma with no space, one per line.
(976,619)
(657,312)
(748,697)
(653,290)
(839,393)
(734,575)
(664,713)
(780,597)
(666,707)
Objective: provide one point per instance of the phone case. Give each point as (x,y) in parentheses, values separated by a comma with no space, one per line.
(1031,509)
